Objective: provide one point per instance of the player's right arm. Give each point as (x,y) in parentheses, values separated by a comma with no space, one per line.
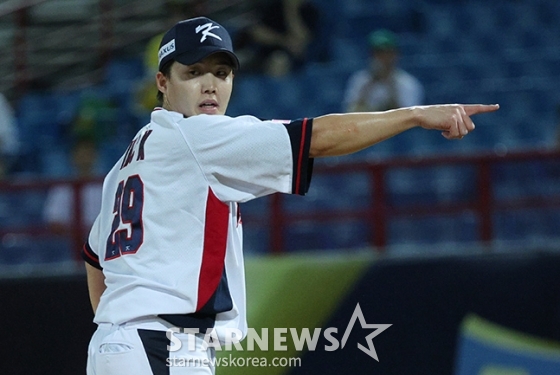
(342,134)
(96,285)
(94,270)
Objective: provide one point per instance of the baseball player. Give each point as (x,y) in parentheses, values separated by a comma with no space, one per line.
(165,251)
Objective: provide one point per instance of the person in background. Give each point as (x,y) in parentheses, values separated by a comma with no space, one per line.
(277,43)
(96,118)
(59,205)
(9,142)
(383,85)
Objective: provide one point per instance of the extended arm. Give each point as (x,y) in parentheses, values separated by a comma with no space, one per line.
(96,285)
(341,134)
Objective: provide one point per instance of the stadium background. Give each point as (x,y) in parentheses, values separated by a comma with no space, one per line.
(482,238)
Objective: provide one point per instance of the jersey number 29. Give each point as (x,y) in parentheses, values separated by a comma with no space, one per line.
(127,230)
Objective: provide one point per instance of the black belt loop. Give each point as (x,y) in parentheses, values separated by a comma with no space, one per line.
(201,321)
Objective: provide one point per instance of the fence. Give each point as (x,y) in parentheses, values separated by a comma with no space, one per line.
(487,186)
(513,197)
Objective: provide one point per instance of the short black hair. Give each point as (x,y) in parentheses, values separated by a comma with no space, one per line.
(166,71)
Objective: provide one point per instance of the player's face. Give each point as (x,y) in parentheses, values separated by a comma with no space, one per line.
(201,88)
(387,58)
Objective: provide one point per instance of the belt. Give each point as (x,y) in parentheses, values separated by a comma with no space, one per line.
(194,320)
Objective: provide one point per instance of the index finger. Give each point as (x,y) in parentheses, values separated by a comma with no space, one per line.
(473,109)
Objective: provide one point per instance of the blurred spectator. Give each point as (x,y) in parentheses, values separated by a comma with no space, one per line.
(277,42)
(176,10)
(96,118)
(59,206)
(9,143)
(382,85)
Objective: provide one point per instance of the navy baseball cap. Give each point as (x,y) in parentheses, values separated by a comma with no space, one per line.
(192,40)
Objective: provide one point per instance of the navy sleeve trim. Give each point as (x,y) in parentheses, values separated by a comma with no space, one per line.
(90,257)
(300,139)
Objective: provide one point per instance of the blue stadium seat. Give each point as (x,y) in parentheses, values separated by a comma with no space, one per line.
(124,70)
(440,22)
(349,52)
(525,226)
(256,240)
(249,97)
(548,13)
(37,115)
(433,229)
(325,88)
(20,249)
(553,63)
(327,235)
(506,16)
(463,51)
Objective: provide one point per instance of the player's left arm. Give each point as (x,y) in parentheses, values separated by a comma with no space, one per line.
(341,134)
(96,285)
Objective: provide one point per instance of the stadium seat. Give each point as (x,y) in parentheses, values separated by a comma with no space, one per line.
(37,115)
(327,235)
(502,52)
(124,70)
(430,230)
(32,251)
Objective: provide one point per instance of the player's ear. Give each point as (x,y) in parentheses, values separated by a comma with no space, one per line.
(161,82)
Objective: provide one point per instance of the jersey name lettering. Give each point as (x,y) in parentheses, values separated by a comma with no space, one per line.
(129,154)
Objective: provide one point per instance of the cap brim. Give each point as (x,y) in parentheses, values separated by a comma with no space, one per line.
(189,58)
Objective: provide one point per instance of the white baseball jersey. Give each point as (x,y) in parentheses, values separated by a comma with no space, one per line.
(169,236)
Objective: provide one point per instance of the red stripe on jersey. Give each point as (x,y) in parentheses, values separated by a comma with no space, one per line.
(300,156)
(89,254)
(214,250)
